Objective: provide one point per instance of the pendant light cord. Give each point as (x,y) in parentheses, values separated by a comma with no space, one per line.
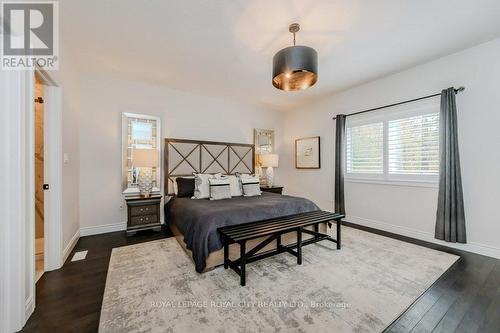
(294,28)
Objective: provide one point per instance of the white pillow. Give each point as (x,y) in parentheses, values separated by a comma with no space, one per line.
(202,185)
(243,175)
(219,188)
(235,185)
(250,186)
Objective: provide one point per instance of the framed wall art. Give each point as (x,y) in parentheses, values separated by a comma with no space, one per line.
(307,153)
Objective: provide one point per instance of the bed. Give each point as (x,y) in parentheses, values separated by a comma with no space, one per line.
(194,223)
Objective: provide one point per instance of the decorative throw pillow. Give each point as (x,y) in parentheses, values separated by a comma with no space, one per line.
(219,188)
(235,185)
(250,186)
(243,175)
(202,186)
(185,187)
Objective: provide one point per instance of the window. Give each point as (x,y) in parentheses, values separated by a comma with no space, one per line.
(413,145)
(365,146)
(138,132)
(399,145)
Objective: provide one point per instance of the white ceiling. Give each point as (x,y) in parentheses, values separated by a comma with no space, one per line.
(224,48)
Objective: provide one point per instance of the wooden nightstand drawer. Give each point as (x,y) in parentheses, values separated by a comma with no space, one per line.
(143,219)
(143,213)
(143,210)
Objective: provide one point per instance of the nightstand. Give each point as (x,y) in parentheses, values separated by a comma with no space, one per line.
(273,189)
(143,213)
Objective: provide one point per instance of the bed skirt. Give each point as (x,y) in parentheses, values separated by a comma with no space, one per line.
(216,258)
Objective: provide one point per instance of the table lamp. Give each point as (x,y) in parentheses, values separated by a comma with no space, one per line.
(269,161)
(145,159)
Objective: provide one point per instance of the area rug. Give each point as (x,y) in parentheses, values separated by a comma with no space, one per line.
(153,287)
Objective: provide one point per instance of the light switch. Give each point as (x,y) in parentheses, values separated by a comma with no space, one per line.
(65,158)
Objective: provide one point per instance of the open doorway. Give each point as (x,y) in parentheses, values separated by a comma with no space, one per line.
(17,244)
(47,175)
(39,178)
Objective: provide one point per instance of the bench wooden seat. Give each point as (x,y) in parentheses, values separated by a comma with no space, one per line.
(274,228)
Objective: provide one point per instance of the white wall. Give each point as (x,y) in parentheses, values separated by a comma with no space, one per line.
(184,115)
(411,210)
(67,78)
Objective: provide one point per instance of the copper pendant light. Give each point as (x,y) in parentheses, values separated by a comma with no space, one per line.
(295,67)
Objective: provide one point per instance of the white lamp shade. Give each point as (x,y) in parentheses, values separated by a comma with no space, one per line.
(145,158)
(269,160)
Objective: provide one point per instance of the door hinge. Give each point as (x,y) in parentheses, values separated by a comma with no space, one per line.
(45,187)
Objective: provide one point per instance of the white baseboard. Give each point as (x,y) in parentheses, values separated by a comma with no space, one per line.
(102,229)
(29,307)
(70,246)
(485,250)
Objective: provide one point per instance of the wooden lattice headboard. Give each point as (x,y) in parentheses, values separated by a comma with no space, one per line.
(183,157)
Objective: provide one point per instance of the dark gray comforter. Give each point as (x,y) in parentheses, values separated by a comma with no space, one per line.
(198,220)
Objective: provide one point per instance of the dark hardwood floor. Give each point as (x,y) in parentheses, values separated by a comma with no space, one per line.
(69,299)
(465,299)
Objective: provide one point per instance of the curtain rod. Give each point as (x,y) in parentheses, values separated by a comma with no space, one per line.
(459,89)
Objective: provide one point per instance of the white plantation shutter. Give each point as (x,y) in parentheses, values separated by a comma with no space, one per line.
(398,144)
(365,149)
(413,145)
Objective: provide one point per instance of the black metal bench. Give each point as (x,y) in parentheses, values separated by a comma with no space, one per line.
(274,228)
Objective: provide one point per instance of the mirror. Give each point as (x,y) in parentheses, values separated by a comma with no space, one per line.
(139,132)
(264,144)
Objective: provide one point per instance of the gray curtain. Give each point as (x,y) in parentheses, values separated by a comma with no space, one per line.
(339,164)
(450,216)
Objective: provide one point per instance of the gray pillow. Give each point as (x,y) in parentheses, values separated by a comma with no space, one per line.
(250,186)
(220,188)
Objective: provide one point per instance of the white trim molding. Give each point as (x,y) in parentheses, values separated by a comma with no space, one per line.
(393,182)
(103,229)
(53,166)
(70,246)
(485,250)
(29,306)
(17,240)
(28,197)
